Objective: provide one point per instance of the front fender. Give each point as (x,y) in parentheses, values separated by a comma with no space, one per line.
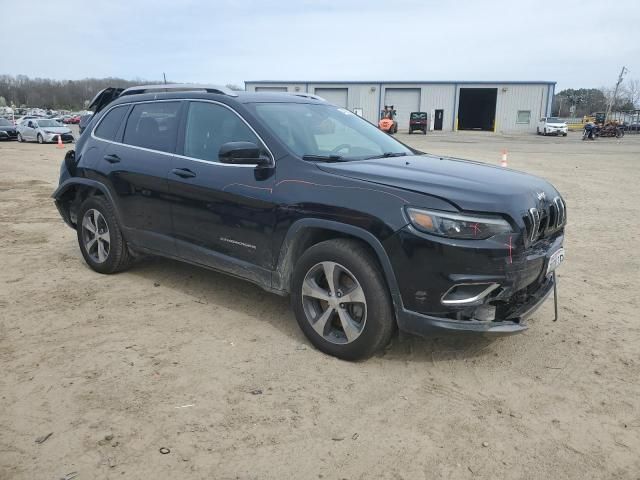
(285,258)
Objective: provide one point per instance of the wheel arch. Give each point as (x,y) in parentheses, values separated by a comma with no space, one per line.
(73,191)
(307,232)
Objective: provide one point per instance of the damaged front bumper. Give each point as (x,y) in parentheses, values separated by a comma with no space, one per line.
(486,286)
(422,324)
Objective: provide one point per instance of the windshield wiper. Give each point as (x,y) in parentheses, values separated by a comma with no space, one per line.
(323,158)
(387,155)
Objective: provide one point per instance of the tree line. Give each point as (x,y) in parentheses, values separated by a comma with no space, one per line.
(585,101)
(22,91)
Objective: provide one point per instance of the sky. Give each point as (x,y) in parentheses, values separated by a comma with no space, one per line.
(575,43)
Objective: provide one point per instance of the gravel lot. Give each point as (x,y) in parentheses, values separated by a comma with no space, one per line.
(216,370)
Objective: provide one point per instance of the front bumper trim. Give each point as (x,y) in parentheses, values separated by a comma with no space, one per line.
(425,325)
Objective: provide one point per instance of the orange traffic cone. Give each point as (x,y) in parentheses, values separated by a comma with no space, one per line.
(60,142)
(503,162)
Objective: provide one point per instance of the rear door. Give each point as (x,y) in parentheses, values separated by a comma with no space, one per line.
(136,165)
(223,215)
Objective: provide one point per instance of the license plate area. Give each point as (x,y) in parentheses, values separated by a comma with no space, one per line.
(555,260)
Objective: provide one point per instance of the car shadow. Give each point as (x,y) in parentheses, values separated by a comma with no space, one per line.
(209,287)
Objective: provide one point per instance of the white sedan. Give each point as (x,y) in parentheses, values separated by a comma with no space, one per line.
(43,130)
(552,126)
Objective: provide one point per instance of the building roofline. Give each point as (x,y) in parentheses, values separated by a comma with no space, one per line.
(407,82)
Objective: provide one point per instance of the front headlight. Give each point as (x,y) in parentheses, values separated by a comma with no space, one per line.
(453,225)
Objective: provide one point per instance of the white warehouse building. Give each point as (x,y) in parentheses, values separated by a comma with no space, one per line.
(504,107)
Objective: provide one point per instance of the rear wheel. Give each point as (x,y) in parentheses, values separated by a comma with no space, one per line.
(100,238)
(341,301)
(538,130)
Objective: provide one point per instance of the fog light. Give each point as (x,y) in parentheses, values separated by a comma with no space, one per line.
(466,293)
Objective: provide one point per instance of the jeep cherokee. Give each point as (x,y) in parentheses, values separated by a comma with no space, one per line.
(304,198)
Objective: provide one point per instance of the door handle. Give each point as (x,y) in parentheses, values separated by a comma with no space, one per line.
(183,172)
(112,158)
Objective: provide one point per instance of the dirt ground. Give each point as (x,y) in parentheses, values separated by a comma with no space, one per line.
(216,370)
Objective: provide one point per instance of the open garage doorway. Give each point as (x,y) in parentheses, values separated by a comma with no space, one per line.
(477,109)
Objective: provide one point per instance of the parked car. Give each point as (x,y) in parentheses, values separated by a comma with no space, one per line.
(7,130)
(304,198)
(24,118)
(43,130)
(418,121)
(84,121)
(552,126)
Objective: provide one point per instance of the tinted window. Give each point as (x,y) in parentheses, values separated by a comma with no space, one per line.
(209,126)
(321,130)
(111,123)
(153,125)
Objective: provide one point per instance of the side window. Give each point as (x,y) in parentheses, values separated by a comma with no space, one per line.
(153,125)
(111,122)
(209,126)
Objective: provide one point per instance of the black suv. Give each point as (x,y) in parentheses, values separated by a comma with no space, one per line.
(304,198)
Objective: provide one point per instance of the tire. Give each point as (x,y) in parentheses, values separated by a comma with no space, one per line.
(538,130)
(117,256)
(545,132)
(410,131)
(20,139)
(564,134)
(371,321)
(40,139)
(424,132)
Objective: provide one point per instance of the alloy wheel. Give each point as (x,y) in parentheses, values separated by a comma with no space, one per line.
(334,302)
(95,236)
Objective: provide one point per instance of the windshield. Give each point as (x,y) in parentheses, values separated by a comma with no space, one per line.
(418,116)
(314,130)
(554,120)
(5,123)
(43,122)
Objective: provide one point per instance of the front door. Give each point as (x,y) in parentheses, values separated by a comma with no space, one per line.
(437,122)
(223,215)
(29,132)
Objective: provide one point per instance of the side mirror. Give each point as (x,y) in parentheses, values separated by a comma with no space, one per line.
(241,153)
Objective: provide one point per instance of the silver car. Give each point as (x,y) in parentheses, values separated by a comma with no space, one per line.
(43,130)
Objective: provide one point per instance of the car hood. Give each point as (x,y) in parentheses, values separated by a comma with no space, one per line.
(469,185)
(7,128)
(56,129)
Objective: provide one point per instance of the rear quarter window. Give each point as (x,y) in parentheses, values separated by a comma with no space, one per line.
(153,126)
(110,124)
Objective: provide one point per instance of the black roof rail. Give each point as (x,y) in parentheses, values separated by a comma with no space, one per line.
(179,87)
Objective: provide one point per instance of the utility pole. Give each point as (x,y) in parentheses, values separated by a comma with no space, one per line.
(615,93)
(165,77)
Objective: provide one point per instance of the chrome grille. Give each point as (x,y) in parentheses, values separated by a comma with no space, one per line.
(543,221)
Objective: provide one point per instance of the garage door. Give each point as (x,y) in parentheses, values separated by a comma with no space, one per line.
(271,89)
(405,101)
(337,96)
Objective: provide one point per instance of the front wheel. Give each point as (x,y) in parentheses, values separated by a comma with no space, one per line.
(100,237)
(40,139)
(20,139)
(341,300)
